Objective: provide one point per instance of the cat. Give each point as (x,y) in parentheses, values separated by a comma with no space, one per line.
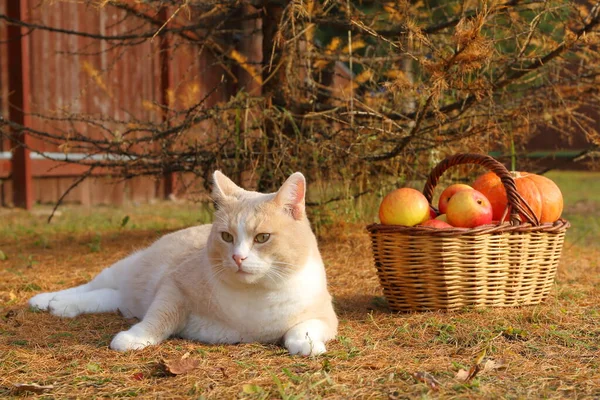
(254,275)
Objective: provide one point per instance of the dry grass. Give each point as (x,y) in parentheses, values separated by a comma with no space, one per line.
(548,351)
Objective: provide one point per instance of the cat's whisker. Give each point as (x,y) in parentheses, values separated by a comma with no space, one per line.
(219,270)
(216,270)
(285,264)
(283,270)
(271,277)
(277,274)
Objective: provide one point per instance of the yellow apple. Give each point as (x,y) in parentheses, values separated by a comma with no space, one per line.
(404,206)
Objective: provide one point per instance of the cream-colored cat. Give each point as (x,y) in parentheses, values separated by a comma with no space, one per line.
(254,275)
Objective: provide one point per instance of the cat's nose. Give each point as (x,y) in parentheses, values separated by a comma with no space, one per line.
(238,259)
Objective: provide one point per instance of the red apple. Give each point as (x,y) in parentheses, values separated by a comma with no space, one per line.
(436,223)
(432,213)
(404,206)
(468,209)
(448,193)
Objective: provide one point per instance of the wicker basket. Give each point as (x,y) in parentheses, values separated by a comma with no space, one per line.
(510,264)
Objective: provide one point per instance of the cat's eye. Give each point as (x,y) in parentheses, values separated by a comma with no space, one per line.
(226,236)
(262,237)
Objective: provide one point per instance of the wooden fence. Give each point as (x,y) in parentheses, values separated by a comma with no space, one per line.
(43,71)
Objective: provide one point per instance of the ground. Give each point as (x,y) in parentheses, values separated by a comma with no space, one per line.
(544,351)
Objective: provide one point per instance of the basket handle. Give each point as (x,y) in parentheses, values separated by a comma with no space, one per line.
(518,205)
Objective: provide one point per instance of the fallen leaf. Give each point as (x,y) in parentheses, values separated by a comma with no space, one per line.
(31,387)
(462,375)
(428,379)
(473,372)
(491,365)
(478,368)
(466,376)
(480,357)
(181,365)
(3,256)
(138,376)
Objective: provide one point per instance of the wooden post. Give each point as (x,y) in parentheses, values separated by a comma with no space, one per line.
(166,98)
(19,89)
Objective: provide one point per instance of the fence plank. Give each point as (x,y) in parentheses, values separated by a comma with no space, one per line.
(19,87)
(166,86)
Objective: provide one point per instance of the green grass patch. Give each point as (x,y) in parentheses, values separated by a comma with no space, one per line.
(18,224)
(581,193)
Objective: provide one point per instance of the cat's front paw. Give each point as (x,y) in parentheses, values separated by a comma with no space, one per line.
(41,301)
(128,340)
(305,347)
(64,306)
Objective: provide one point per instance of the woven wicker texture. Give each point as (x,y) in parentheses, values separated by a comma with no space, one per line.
(511,264)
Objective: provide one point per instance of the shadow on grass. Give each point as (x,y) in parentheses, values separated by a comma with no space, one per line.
(356,306)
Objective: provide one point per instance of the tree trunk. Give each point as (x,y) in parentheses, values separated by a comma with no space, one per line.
(271,60)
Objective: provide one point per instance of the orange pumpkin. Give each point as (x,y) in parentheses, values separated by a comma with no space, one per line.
(542,195)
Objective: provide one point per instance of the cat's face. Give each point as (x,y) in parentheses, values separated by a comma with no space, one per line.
(259,238)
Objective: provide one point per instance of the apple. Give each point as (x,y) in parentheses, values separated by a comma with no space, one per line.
(436,223)
(432,213)
(404,206)
(468,209)
(442,217)
(448,193)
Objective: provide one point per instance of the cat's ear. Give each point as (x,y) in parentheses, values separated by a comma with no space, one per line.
(223,187)
(291,195)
